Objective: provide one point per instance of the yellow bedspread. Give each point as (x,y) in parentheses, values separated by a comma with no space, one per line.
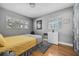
(18,44)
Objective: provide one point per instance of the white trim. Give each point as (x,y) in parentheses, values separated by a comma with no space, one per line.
(65,44)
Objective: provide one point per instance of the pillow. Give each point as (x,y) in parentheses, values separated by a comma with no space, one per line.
(2,41)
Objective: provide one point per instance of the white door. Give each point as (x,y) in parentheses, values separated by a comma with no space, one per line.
(53,37)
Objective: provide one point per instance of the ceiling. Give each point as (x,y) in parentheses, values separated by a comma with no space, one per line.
(39,10)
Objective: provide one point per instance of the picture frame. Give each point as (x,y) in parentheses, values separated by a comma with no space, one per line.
(16,23)
(39,24)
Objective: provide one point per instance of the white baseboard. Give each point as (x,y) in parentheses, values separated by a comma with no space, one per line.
(66,44)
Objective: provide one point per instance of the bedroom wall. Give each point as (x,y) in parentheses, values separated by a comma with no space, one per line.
(66,31)
(5,31)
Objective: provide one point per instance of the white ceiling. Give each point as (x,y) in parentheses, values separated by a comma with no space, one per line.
(40,9)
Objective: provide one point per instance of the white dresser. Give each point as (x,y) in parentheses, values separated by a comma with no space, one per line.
(53,37)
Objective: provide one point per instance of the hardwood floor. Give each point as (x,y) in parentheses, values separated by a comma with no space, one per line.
(56,50)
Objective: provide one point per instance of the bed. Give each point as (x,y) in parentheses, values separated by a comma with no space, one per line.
(18,44)
(39,38)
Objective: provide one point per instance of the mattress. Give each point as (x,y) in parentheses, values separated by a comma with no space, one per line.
(18,44)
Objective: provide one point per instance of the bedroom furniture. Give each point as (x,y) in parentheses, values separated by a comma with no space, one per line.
(53,37)
(18,44)
(45,37)
(39,38)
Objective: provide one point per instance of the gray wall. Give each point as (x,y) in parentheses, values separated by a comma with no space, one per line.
(5,31)
(65,32)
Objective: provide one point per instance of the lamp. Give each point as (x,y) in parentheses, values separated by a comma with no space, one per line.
(32,5)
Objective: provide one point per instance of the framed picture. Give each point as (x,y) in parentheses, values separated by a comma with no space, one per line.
(15,23)
(39,24)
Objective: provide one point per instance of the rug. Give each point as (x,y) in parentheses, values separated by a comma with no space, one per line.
(43,46)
